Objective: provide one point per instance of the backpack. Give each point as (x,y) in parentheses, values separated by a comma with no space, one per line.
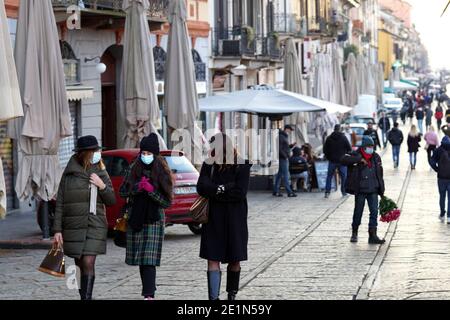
(439,115)
(444,165)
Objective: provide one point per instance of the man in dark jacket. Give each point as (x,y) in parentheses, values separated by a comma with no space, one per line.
(440,162)
(420,115)
(371,132)
(365,181)
(336,146)
(395,137)
(385,125)
(283,169)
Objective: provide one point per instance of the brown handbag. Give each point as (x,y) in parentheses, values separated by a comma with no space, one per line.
(54,262)
(200,209)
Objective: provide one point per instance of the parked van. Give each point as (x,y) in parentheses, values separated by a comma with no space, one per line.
(367,106)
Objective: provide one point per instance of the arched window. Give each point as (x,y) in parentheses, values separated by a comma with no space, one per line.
(200,66)
(160,56)
(71,64)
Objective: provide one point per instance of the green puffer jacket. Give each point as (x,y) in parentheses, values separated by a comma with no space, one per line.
(83,233)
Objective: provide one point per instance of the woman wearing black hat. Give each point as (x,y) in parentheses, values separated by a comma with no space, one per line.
(80,222)
(224,180)
(148,186)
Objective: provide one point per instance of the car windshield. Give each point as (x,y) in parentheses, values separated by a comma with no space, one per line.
(180,164)
(358,131)
(393,102)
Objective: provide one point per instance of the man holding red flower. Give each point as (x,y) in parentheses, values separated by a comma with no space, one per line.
(365,181)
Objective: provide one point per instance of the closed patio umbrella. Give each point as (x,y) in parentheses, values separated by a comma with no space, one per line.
(10,102)
(2,192)
(362,69)
(338,78)
(46,112)
(352,84)
(380,81)
(181,98)
(293,83)
(140,103)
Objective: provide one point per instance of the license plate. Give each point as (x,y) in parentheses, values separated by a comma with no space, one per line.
(185,190)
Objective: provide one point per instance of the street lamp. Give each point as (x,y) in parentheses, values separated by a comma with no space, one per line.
(101,67)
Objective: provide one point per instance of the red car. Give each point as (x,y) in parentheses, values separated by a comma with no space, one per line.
(185,189)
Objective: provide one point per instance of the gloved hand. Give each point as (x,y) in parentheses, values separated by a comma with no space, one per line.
(145,185)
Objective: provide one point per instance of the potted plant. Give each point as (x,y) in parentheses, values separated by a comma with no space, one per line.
(250,34)
(276,37)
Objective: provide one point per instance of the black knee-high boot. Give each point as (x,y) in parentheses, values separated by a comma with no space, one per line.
(87,287)
(148,277)
(233,278)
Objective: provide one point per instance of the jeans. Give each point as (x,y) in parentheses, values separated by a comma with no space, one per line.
(283,172)
(420,123)
(342,172)
(296,177)
(396,154)
(444,189)
(372,201)
(413,158)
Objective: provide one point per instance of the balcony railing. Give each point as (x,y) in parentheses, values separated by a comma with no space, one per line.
(234,42)
(158,8)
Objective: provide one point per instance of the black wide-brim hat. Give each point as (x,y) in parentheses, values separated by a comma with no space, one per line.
(87,143)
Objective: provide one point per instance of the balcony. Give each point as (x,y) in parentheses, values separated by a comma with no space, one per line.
(239,41)
(158,10)
(287,23)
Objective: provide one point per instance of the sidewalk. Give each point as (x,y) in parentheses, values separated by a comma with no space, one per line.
(20,230)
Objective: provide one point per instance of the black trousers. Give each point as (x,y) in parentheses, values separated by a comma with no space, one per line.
(148,278)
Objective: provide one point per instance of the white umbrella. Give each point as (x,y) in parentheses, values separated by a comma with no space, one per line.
(180,84)
(2,192)
(265,102)
(140,104)
(46,118)
(338,78)
(293,83)
(361,67)
(352,81)
(10,101)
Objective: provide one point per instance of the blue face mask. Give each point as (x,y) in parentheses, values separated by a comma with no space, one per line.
(369,150)
(96,157)
(147,159)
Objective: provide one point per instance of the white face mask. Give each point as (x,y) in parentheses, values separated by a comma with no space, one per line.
(96,157)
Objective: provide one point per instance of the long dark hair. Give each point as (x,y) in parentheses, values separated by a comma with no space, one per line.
(224,140)
(161,176)
(84,158)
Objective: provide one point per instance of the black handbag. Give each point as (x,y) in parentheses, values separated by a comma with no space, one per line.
(54,262)
(120,229)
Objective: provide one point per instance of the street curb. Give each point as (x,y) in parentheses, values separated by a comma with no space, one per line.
(26,244)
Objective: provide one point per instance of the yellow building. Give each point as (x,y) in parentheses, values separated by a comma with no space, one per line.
(386,51)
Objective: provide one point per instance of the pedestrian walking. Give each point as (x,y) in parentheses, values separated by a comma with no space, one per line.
(148,188)
(432,140)
(447,115)
(404,111)
(440,162)
(385,125)
(350,135)
(283,166)
(420,115)
(371,132)
(335,147)
(299,169)
(439,114)
(414,138)
(225,237)
(395,137)
(365,181)
(410,110)
(428,117)
(80,224)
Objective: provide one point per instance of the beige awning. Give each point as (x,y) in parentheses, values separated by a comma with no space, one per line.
(75,93)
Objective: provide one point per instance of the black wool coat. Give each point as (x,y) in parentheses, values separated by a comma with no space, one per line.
(225,236)
(414,143)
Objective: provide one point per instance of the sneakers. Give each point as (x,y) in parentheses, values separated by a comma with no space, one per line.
(442,218)
(448,220)
(292,195)
(327,195)
(277,194)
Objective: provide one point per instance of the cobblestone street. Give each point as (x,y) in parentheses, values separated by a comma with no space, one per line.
(299,249)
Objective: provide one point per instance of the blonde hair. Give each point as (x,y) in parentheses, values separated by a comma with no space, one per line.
(413,132)
(431,129)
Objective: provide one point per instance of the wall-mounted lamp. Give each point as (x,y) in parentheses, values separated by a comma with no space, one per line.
(101,67)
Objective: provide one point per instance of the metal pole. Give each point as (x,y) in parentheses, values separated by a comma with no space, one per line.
(45,221)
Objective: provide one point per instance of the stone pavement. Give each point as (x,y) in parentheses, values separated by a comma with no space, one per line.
(299,249)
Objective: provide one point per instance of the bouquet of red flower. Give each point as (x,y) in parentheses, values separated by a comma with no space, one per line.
(388,210)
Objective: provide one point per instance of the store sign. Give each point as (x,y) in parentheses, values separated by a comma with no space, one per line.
(201,88)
